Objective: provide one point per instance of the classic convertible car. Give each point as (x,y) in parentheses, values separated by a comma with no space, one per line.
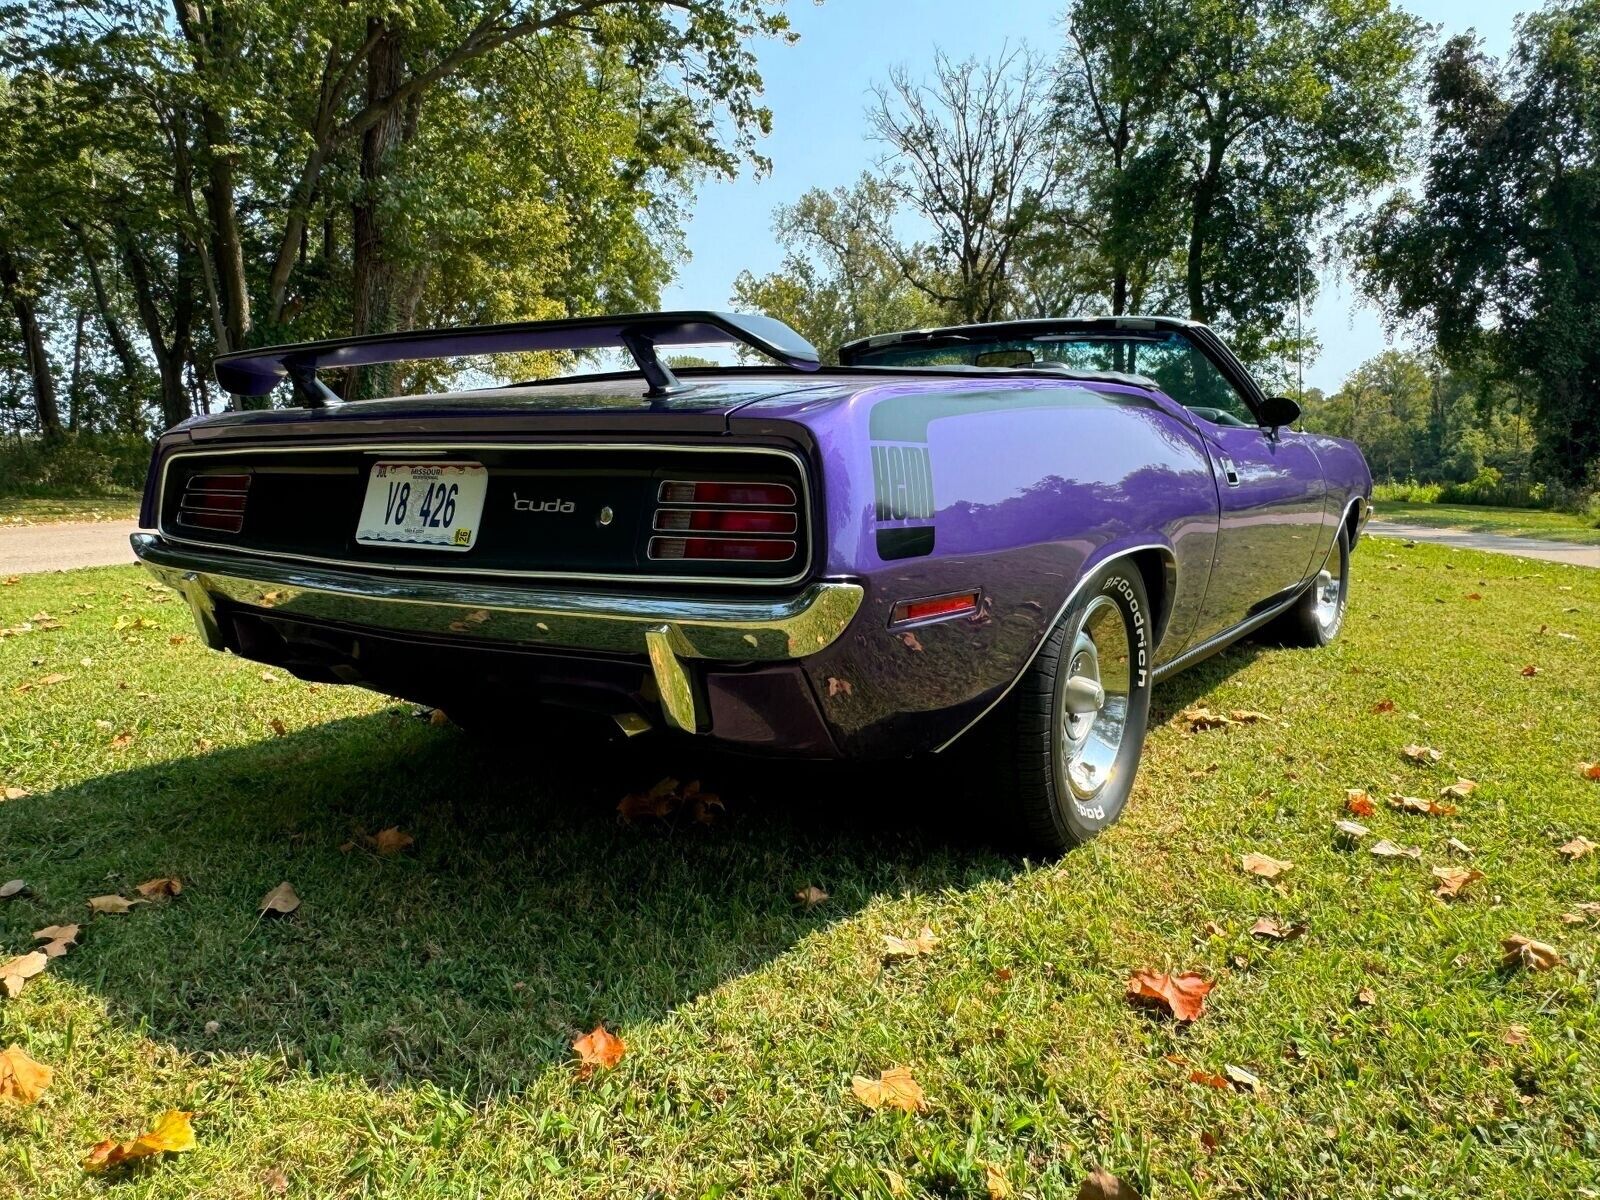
(1000,533)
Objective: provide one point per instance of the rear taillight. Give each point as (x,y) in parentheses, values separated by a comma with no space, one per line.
(726,522)
(214,502)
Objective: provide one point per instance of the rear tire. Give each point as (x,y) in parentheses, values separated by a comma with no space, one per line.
(1067,740)
(1317,616)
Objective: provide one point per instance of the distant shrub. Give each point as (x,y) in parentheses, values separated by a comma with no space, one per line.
(85,464)
(1409,492)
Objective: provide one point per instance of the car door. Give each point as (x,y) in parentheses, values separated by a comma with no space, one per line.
(1269,482)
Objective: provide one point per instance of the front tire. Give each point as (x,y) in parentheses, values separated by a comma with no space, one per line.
(1318,615)
(1068,738)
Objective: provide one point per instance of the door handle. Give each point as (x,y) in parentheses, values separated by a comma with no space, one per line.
(1229,471)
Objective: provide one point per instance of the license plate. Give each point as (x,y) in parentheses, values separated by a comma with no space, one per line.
(431,505)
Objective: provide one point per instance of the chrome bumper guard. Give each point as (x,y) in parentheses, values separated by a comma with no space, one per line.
(665,629)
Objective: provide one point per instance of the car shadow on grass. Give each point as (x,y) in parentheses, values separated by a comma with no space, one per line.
(524,913)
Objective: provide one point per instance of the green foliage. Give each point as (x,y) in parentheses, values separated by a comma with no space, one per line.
(84,464)
(1498,254)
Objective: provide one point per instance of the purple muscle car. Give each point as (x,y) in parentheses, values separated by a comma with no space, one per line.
(1006,533)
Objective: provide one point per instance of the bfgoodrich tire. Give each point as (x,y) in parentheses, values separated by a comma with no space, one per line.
(1317,616)
(1068,738)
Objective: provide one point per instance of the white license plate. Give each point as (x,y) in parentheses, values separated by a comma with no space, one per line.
(432,505)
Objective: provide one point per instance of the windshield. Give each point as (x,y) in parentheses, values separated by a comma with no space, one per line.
(1168,359)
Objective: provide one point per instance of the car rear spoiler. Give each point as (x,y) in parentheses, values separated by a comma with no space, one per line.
(256,372)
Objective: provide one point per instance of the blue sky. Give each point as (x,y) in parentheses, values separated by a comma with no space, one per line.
(818,93)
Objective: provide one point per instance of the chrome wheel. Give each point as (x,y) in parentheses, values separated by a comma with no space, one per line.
(1328,591)
(1095,700)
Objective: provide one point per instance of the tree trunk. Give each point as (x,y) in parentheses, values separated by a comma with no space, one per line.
(174,401)
(44,384)
(75,387)
(374,308)
(1205,198)
(115,334)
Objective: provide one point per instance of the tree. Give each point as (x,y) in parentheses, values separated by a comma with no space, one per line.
(975,154)
(1498,257)
(839,281)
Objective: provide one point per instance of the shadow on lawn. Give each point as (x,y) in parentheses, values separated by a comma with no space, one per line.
(524,914)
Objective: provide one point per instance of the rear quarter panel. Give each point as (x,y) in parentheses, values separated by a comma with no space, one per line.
(1016,488)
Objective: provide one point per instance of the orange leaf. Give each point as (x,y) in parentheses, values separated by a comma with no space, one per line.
(1453,879)
(1587,770)
(152,888)
(22,1080)
(1214,1081)
(392,840)
(281,900)
(599,1048)
(1358,802)
(1428,808)
(1530,671)
(893,1088)
(1525,952)
(1265,865)
(1383,706)
(1182,996)
(171,1135)
(898,947)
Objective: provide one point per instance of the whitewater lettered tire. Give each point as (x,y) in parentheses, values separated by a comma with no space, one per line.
(1068,738)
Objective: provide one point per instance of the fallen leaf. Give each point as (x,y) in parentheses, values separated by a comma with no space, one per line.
(1585,912)
(599,1048)
(1201,718)
(1265,865)
(893,1088)
(1268,928)
(277,727)
(111,904)
(172,1135)
(1515,1035)
(1529,671)
(1525,952)
(1460,789)
(1427,808)
(1212,929)
(811,896)
(1383,706)
(213,1028)
(1246,716)
(995,1182)
(122,741)
(1460,847)
(1210,1080)
(16,971)
(391,840)
(1241,1079)
(1103,1185)
(177,639)
(14,793)
(12,887)
(274,1181)
(438,717)
(1421,754)
(151,888)
(1587,770)
(281,900)
(22,1081)
(909,640)
(346,847)
(1453,879)
(56,933)
(1366,998)
(1358,802)
(1181,996)
(1577,848)
(1349,832)
(1384,848)
(839,687)
(898,947)
(1474,596)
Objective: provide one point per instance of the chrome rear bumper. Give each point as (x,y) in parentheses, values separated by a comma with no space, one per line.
(666,629)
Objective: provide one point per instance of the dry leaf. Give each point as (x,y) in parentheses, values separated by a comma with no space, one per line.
(1366,998)
(274,1181)
(1461,847)
(811,896)
(438,717)
(1265,865)
(1383,706)
(1268,928)
(1529,671)
(281,900)
(1460,789)
(1103,1185)
(13,793)
(1586,912)
(897,947)
(277,727)
(1210,1080)
(391,840)
(1577,848)
(893,1088)
(1421,754)
(1587,770)
(1384,848)
(1200,718)
(1182,996)
(599,1048)
(151,888)
(22,1081)
(1241,1079)
(12,887)
(171,1135)
(1427,808)
(839,687)
(1358,802)
(112,904)
(122,741)
(909,640)
(56,933)
(1453,879)
(1246,716)
(17,971)
(1515,1035)
(1474,596)
(1525,952)
(1348,833)
(996,1183)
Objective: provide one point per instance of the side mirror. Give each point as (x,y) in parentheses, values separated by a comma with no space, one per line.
(1279,411)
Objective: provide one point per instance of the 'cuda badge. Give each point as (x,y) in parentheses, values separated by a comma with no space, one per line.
(542,506)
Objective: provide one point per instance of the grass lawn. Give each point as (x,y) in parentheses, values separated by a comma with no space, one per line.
(1515,522)
(408,1031)
(28,510)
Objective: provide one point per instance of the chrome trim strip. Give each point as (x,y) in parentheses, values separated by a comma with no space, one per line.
(745,630)
(1083,578)
(451,447)
(1228,636)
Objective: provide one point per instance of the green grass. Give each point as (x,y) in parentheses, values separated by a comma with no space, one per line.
(32,510)
(1515,522)
(407,1032)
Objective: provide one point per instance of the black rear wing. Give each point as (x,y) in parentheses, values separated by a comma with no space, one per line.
(256,372)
